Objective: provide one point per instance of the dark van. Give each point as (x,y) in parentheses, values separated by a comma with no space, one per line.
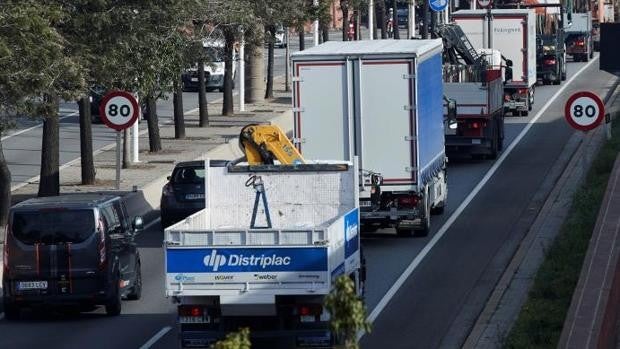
(75,250)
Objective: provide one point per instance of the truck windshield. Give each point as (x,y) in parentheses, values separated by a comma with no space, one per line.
(57,226)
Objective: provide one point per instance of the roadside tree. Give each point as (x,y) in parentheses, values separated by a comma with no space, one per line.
(348,312)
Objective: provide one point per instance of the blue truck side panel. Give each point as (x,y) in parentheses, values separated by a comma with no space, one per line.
(430,117)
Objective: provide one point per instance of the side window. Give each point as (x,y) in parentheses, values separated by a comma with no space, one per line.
(121,212)
(112,218)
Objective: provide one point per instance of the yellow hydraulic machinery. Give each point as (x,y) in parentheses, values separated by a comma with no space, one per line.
(262,144)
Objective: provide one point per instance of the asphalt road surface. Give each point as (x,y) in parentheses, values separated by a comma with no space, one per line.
(421,292)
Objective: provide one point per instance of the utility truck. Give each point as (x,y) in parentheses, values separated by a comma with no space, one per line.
(266,249)
(381,101)
(473,86)
(513,33)
(579,41)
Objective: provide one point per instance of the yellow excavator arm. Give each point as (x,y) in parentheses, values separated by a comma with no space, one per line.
(262,144)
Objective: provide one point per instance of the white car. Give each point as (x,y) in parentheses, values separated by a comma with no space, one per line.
(213,69)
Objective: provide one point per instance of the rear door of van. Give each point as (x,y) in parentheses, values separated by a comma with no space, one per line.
(54,252)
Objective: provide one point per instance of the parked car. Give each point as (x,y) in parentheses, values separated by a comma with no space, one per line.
(75,251)
(184,194)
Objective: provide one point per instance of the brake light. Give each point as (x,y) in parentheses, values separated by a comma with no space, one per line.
(522,91)
(507,97)
(167,190)
(580,42)
(549,61)
(474,125)
(101,246)
(408,201)
(5,253)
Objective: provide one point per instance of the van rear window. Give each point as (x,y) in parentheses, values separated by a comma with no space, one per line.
(49,227)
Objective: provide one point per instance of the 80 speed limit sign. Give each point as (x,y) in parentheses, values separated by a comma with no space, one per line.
(119,110)
(584,111)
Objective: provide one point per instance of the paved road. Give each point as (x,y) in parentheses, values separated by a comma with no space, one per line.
(446,289)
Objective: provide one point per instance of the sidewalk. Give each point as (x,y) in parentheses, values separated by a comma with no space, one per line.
(149,175)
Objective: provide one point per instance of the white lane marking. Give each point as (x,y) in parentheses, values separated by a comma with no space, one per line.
(33,127)
(153,222)
(156,337)
(442,231)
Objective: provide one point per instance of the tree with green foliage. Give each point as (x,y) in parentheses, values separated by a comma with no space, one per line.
(347,311)
(37,71)
(235,340)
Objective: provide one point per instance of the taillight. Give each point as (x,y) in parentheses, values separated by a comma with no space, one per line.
(309,312)
(5,253)
(167,190)
(408,201)
(507,97)
(580,42)
(101,246)
(522,91)
(549,61)
(192,314)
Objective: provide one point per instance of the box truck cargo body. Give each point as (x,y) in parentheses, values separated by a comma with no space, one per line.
(579,40)
(223,274)
(513,33)
(382,101)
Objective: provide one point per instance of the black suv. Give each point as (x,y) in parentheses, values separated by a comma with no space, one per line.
(76,251)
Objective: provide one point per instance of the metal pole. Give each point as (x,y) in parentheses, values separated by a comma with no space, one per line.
(287,78)
(473,4)
(411,19)
(118,160)
(608,126)
(316,25)
(371,22)
(135,136)
(242,74)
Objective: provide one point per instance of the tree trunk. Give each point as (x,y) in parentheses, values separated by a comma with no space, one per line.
(344,7)
(229,46)
(302,38)
(179,117)
(49,184)
(381,18)
(5,190)
(86,142)
(153,125)
(395,20)
(203,108)
(270,58)
(255,70)
(325,33)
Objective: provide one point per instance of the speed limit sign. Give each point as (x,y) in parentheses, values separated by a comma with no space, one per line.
(119,110)
(584,111)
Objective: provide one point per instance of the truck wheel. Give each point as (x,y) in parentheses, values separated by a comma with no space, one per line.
(586,58)
(403,232)
(426,220)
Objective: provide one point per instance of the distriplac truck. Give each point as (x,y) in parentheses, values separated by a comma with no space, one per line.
(513,33)
(381,101)
(264,253)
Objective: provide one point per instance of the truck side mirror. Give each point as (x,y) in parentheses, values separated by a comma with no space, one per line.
(509,63)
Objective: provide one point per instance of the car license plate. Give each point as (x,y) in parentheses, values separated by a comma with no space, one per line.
(365,203)
(32,285)
(194,196)
(194,79)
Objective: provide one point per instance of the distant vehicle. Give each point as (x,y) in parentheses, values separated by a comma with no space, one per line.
(214,69)
(403,16)
(74,251)
(184,193)
(579,37)
(280,38)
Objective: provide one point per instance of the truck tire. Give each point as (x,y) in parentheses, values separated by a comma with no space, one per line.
(114,305)
(426,220)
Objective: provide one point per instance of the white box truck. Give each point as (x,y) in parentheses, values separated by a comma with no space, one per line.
(513,33)
(269,265)
(382,101)
(579,38)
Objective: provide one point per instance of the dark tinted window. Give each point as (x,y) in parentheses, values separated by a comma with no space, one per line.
(189,175)
(53,226)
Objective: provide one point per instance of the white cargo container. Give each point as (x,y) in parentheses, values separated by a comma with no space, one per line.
(382,101)
(223,273)
(513,33)
(579,39)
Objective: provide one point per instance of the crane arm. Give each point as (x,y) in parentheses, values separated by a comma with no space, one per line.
(262,144)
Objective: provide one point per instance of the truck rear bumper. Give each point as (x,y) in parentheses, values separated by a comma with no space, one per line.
(393,215)
(457,144)
(315,338)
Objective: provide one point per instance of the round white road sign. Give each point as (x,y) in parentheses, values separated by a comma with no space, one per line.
(119,110)
(584,111)
(483,3)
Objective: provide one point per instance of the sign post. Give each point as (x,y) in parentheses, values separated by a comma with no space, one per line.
(119,110)
(584,111)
